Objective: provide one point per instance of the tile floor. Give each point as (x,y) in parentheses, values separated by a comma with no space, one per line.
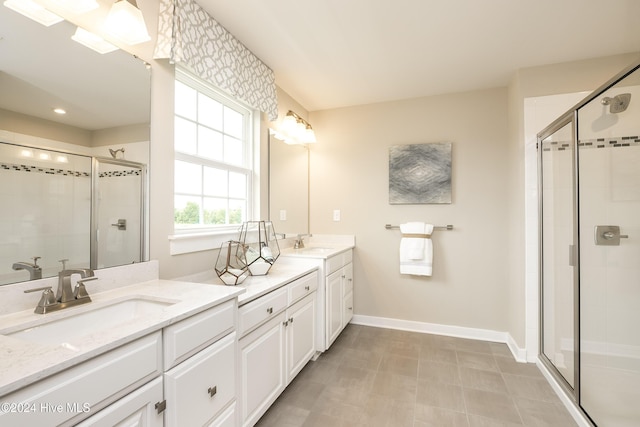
(382,377)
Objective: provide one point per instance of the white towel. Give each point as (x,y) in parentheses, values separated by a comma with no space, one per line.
(416,253)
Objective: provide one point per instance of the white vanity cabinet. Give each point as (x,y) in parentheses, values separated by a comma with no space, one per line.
(277,333)
(74,394)
(338,309)
(182,375)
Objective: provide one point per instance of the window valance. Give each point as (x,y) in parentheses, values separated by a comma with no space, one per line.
(188,34)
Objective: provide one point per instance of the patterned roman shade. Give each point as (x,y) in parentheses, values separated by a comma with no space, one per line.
(189,35)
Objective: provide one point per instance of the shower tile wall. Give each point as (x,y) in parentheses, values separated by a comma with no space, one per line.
(58,227)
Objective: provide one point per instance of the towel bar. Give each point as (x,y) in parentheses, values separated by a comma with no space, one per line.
(435,227)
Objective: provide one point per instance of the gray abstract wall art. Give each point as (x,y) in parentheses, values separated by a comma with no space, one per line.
(420,173)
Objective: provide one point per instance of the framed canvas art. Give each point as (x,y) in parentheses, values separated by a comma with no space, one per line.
(420,173)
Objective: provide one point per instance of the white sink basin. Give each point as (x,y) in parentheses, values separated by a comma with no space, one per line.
(65,329)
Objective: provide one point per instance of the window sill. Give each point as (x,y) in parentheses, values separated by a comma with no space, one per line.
(188,243)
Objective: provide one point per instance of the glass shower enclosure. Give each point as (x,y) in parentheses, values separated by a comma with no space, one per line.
(589,201)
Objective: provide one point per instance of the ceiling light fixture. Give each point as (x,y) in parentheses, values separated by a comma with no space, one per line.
(33,10)
(126,23)
(60,111)
(93,41)
(296,130)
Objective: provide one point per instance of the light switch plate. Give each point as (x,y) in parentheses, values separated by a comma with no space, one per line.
(336,215)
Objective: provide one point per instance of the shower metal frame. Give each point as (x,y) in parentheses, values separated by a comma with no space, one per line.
(571,116)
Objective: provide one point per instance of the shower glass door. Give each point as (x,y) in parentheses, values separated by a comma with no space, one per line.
(557,254)
(609,215)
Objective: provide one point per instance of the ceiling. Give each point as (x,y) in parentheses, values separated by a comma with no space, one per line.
(335,53)
(42,68)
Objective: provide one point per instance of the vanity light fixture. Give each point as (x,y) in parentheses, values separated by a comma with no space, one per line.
(93,41)
(126,23)
(33,10)
(296,130)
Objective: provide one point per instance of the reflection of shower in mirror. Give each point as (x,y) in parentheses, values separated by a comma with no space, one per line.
(114,153)
(618,103)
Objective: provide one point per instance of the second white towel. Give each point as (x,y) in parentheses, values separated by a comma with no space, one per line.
(416,249)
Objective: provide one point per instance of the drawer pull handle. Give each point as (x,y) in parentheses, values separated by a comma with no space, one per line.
(307,287)
(286,323)
(270,310)
(212,391)
(291,320)
(161,406)
(350,308)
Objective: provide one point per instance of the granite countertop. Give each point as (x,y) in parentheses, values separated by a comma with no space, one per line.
(316,251)
(23,362)
(282,272)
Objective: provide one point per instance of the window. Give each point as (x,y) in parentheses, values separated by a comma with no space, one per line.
(213,158)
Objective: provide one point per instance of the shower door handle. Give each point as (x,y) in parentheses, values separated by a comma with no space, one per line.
(608,235)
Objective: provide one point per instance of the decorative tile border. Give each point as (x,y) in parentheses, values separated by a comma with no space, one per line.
(623,141)
(48,171)
(110,174)
(77,174)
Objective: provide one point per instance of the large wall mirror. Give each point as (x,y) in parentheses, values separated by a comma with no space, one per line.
(73,185)
(288,187)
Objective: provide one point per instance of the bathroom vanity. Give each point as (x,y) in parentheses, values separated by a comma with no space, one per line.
(161,353)
(158,352)
(333,255)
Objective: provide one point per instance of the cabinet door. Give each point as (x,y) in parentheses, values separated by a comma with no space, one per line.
(134,410)
(300,335)
(262,355)
(347,276)
(199,388)
(348,309)
(335,298)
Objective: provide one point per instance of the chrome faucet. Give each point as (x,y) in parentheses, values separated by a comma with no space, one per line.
(65,292)
(66,295)
(299,242)
(35,272)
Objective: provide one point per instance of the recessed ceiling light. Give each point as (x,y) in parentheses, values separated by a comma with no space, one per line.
(33,10)
(60,111)
(93,41)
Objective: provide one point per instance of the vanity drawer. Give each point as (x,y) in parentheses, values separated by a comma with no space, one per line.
(336,262)
(82,390)
(262,309)
(187,337)
(303,286)
(199,388)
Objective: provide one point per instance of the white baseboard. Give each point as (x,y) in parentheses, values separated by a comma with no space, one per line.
(453,331)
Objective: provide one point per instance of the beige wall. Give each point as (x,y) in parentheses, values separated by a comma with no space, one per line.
(349,171)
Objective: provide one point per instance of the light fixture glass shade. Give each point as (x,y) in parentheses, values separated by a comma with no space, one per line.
(33,10)
(309,136)
(262,250)
(231,265)
(93,41)
(289,123)
(126,23)
(77,7)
